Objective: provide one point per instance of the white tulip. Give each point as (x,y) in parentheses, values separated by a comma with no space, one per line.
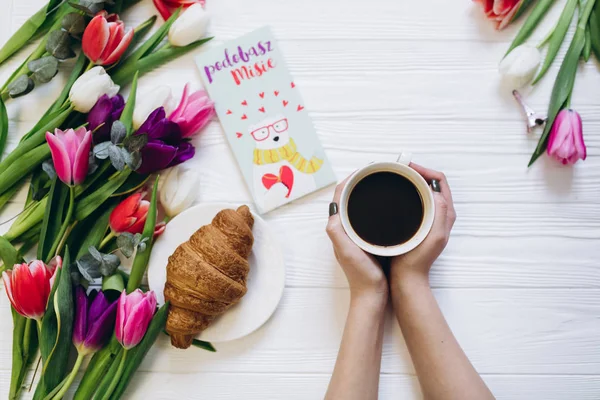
(178,189)
(189,27)
(150,101)
(520,65)
(89,87)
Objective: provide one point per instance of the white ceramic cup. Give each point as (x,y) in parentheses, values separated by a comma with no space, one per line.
(399,167)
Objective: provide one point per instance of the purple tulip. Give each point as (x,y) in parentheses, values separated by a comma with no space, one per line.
(166,147)
(93,322)
(106,111)
(70,154)
(566,138)
(134,313)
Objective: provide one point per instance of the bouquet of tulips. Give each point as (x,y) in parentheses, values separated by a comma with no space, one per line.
(562,137)
(88,162)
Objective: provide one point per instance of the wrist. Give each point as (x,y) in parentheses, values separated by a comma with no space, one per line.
(407,279)
(373,300)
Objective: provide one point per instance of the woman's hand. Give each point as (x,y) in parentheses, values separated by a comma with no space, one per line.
(364,274)
(418,262)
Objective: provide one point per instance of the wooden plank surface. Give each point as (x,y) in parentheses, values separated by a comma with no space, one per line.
(519,281)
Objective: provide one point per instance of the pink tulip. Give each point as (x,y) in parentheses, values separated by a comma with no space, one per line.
(28,286)
(70,153)
(134,313)
(193,112)
(104,40)
(566,138)
(501,11)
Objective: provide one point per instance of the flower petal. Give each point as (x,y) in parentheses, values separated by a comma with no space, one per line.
(81,316)
(156,156)
(95,37)
(118,51)
(60,158)
(82,159)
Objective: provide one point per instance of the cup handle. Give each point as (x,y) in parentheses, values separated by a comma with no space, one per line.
(404,158)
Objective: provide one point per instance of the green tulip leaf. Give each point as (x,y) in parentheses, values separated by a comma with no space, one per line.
(594,26)
(53,218)
(20,86)
(64,94)
(114,282)
(139,32)
(522,7)
(61,309)
(3,127)
(136,355)
(23,34)
(73,23)
(8,254)
(94,199)
(204,345)
(587,47)
(538,13)
(92,230)
(558,36)
(41,182)
(59,45)
(127,114)
(43,69)
(133,183)
(140,261)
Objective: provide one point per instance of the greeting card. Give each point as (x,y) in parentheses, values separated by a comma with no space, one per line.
(265,119)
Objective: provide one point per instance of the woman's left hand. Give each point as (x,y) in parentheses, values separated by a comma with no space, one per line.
(365,275)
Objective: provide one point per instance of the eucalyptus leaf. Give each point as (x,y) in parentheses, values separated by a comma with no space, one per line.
(117,132)
(43,69)
(59,45)
(95,253)
(116,157)
(92,164)
(89,267)
(127,243)
(73,23)
(90,7)
(110,263)
(3,127)
(48,168)
(135,160)
(558,36)
(20,86)
(135,143)
(101,150)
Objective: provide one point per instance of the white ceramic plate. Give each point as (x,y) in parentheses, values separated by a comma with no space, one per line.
(266,278)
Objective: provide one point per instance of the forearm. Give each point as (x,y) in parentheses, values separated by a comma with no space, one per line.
(443,369)
(356,373)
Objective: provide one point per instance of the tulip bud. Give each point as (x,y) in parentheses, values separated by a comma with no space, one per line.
(134,313)
(194,111)
(566,138)
(89,87)
(150,101)
(178,190)
(104,40)
(28,286)
(94,321)
(189,27)
(520,65)
(70,151)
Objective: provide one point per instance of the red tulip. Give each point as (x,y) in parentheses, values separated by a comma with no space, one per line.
(130,216)
(105,40)
(28,286)
(167,7)
(134,313)
(501,11)
(566,138)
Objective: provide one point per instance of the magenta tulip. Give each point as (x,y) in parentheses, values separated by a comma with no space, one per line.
(134,313)
(70,153)
(94,320)
(566,138)
(193,112)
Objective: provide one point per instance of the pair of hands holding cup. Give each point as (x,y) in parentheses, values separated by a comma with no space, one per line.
(365,276)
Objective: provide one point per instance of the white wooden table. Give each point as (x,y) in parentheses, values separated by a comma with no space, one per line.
(519,282)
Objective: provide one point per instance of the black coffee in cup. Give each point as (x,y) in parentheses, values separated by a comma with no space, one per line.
(385,209)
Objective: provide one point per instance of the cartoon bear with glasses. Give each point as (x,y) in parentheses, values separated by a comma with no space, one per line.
(281,173)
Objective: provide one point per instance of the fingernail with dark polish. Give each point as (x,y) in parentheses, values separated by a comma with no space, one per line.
(435,185)
(333,209)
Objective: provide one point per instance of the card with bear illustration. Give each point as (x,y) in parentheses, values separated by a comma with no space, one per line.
(265,119)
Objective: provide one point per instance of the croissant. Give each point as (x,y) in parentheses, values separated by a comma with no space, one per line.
(207,274)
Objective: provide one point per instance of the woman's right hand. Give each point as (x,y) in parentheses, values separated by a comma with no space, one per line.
(418,262)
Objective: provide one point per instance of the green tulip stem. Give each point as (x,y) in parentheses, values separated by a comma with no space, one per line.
(62,242)
(70,378)
(117,377)
(546,38)
(63,233)
(107,239)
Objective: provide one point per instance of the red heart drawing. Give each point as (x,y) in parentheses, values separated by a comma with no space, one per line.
(285,103)
(244,103)
(262,95)
(244,116)
(293,85)
(239,134)
(286,176)
(228,112)
(276,93)
(262,109)
(300,108)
